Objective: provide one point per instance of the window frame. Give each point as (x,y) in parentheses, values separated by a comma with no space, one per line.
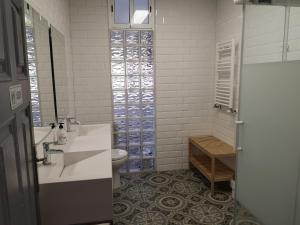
(113,25)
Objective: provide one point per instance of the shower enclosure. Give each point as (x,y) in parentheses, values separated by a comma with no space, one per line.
(268,132)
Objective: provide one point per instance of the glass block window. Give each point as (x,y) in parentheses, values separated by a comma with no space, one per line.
(32,67)
(133,91)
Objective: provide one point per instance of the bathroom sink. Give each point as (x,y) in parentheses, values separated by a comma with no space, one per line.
(91,138)
(87,155)
(88,143)
(52,171)
(72,165)
(91,130)
(79,164)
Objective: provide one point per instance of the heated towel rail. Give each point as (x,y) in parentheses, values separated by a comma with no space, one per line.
(225,63)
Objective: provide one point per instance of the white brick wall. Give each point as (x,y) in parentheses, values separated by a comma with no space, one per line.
(91,69)
(264,30)
(186,33)
(228,26)
(264,33)
(294,34)
(185,40)
(185,54)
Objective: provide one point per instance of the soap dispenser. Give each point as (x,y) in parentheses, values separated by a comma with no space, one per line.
(61,135)
(54,132)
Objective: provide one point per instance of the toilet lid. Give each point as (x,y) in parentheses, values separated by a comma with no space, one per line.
(118,154)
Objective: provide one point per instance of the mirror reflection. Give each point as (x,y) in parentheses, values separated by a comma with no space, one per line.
(40,73)
(60,72)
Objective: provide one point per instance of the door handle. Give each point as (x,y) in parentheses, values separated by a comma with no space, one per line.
(239,148)
(239,123)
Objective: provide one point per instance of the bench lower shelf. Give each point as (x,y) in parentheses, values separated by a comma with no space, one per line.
(204,165)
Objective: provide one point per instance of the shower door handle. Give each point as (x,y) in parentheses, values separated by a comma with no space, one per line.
(239,148)
(239,123)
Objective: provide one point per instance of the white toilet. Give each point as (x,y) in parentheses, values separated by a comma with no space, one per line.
(119,157)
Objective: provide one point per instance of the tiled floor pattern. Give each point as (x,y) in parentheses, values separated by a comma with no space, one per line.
(173,198)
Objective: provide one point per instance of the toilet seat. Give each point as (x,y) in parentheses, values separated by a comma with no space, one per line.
(118,154)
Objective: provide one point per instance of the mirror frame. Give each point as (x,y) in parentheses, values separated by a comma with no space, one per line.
(53,72)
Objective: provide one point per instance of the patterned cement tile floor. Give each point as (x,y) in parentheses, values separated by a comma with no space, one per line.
(173,198)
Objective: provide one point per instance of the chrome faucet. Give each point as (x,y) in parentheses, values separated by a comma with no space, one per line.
(47,151)
(69,122)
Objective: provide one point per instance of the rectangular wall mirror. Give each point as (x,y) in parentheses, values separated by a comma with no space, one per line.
(40,73)
(59,72)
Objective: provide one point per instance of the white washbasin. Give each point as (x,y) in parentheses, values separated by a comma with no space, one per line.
(52,171)
(88,143)
(40,133)
(87,155)
(81,164)
(92,130)
(91,138)
(71,165)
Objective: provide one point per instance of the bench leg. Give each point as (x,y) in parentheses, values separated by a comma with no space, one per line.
(190,154)
(213,173)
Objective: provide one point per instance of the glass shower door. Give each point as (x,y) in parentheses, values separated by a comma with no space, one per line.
(269,162)
(268,165)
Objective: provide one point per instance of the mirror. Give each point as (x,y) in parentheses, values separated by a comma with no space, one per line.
(40,72)
(60,72)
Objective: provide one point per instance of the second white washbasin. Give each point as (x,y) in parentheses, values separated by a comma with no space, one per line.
(90,138)
(92,130)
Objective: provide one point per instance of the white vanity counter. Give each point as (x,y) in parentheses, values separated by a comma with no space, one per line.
(76,188)
(87,155)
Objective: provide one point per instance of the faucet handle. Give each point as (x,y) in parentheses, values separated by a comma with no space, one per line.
(46,145)
(53,125)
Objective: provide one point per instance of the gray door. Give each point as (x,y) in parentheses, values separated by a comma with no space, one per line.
(18,202)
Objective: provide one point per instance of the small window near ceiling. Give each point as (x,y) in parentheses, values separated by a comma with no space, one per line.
(122,11)
(131,14)
(140,12)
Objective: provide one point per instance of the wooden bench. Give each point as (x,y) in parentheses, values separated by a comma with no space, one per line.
(204,154)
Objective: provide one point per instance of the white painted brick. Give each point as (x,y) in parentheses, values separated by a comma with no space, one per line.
(185,60)
(90,52)
(294,34)
(185,51)
(229,25)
